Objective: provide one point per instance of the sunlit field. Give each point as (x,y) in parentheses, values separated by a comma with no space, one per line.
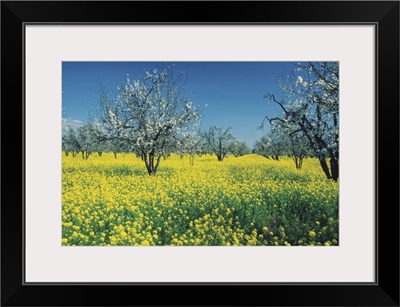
(244,201)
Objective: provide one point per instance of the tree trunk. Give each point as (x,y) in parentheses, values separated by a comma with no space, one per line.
(192,159)
(99,153)
(325,168)
(73,154)
(66,153)
(83,155)
(296,161)
(334,168)
(115,155)
(152,163)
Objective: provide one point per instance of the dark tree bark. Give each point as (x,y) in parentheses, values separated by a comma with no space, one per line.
(334,168)
(152,162)
(221,157)
(325,168)
(298,160)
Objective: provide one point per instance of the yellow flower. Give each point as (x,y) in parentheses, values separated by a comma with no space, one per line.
(146,243)
(204,204)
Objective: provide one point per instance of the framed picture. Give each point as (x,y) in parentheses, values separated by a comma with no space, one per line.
(199,151)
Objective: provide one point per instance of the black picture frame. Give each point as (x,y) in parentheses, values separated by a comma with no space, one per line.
(383,14)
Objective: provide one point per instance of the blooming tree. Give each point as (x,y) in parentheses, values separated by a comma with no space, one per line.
(240,148)
(281,141)
(79,139)
(151,114)
(218,141)
(191,143)
(69,143)
(272,145)
(298,148)
(311,107)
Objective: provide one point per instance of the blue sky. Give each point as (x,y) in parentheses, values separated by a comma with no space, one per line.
(233,91)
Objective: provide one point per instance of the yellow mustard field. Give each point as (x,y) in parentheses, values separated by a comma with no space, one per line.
(249,200)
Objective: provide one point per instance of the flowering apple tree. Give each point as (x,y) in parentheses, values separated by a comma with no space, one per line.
(151,114)
(218,141)
(311,107)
